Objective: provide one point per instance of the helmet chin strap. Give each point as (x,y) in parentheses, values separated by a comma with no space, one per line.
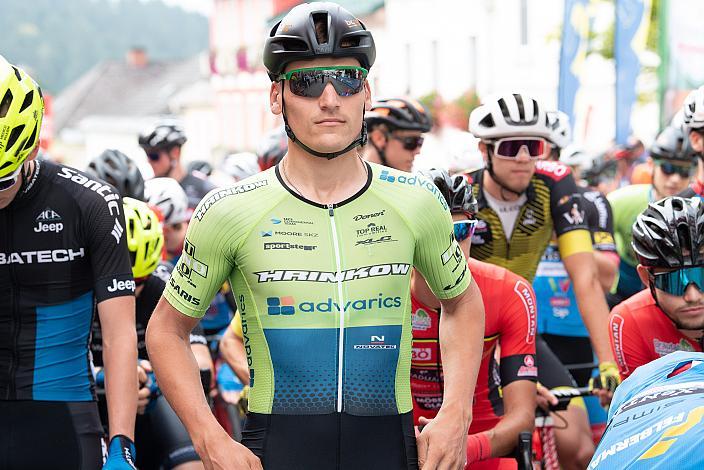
(497,180)
(380,152)
(360,141)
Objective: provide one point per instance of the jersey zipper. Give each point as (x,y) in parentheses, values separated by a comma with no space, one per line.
(341,304)
(519,217)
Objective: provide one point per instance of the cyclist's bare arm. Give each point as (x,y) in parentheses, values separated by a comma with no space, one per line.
(519,399)
(607,267)
(177,373)
(583,272)
(232,350)
(117,318)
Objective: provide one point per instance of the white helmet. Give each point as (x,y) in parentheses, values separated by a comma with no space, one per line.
(561,132)
(240,165)
(514,115)
(169,197)
(575,156)
(693,109)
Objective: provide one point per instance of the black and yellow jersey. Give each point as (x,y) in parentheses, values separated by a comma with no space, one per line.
(553,203)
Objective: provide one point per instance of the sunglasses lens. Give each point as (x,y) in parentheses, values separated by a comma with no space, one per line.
(676,282)
(153,156)
(412,143)
(670,169)
(311,83)
(464,229)
(511,148)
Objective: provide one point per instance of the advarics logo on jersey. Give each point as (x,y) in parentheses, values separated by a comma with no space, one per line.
(48,220)
(414,180)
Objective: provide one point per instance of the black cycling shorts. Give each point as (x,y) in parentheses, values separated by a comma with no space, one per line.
(551,372)
(572,350)
(50,435)
(333,441)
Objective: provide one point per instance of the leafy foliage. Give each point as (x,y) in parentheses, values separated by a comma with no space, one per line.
(58,41)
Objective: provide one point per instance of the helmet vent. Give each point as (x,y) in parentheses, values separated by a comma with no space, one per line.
(5,103)
(320,20)
(30,141)
(27,100)
(488,121)
(14,135)
(521,109)
(17,73)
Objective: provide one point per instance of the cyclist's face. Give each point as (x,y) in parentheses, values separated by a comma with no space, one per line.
(174,235)
(397,156)
(329,122)
(686,311)
(160,161)
(516,172)
(668,185)
(465,244)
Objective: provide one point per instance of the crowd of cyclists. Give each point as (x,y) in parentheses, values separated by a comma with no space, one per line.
(316,305)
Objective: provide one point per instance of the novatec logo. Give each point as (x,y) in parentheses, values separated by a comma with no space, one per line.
(280,305)
(375,342)
(48,221)
(395,269)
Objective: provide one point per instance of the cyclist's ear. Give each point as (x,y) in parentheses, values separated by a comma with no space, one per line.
(643,274)
(275,97)
(367,96)
(482,149)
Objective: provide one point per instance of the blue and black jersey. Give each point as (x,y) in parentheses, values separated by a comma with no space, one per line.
(62,251)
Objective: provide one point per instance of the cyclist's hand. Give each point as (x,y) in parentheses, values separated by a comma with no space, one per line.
(442,443)
(544,398)
(219,451)
(144,368)
(606,383)
(121,454)
(244,400)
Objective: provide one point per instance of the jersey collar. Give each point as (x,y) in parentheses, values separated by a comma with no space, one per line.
(478,179)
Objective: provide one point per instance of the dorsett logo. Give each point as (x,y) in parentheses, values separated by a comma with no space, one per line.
(48,220)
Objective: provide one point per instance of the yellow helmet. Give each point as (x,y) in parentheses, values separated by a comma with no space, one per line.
(21,111)
(145,238)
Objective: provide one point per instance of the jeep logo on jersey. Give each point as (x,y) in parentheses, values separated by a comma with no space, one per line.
(121,285)
(286,275)
(48,221)
(189,264)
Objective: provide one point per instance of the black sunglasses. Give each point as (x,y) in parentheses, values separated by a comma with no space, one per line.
(310,82)
(409,142)
(670,169)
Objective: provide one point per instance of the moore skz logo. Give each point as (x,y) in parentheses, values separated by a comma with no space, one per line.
(375,342)
(288,306)
(288,246)
(48,221)
(267,233)
(231,191)
(279,275)
(189,264)
(372,241)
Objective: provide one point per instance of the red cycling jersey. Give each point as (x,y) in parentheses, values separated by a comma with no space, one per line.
(509,308)
(640,332)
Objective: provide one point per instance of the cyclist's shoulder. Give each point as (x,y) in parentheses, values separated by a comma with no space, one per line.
(498,283)
(638,307)
(554,174)
(254,193)
(80,185)
(622,197)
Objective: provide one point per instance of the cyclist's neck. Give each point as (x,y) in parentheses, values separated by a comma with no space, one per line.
(421,291)
(496,190)
(177,172)
(323,181)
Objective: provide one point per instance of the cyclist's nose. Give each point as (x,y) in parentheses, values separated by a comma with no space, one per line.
(523,154)
(693,293)
(329,97)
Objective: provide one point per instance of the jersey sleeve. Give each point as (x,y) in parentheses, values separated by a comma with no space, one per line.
(568,215)
(517,335)
(197,335)
(437,255)
(206,261)
(602,227)
(626,342)
(104,228)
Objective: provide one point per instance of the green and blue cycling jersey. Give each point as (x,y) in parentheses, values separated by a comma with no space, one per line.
(323,291)
(656,418)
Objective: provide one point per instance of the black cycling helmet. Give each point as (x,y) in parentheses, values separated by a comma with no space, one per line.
(117,169)
(164,135)
(201,166)
(672,144)
(294,37)
(670,233)
(399,113)
(273,148)
(456,191)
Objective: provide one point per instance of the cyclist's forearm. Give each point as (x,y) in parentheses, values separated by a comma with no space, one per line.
(120,359)
(461,340)
(593,308)
(178,375)
(232,350)
(607,267)
(519,415)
